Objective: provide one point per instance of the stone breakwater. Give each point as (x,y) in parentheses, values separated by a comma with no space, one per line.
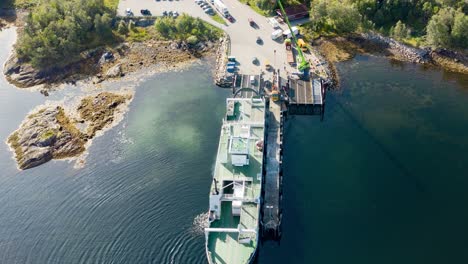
(55,133)
(399,49)
(224,50)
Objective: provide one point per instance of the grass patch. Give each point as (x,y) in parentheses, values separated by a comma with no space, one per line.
(111,4)
(309,34)
(413,41)
(64,122)
(218,19)
(257,9)
(13,140)
(140,35)
(48,134)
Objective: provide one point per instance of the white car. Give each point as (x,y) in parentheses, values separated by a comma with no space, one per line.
(128,12)
(252,80)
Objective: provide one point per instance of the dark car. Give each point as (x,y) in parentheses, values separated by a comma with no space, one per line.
(231,19)
(255,61)
(145,12)
(259,40)
(252,23)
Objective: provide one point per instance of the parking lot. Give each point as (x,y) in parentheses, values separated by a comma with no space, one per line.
(243,36)
(158,7)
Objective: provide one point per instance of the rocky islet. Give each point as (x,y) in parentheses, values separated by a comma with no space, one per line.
(54,133)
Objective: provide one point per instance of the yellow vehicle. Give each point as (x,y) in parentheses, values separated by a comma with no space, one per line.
(302,44)
(267,65)
(275,96)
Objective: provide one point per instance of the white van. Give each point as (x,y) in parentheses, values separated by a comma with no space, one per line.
(273,22)
(276,34)
(287,33)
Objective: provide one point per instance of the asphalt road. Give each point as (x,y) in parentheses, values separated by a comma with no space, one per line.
(243,36)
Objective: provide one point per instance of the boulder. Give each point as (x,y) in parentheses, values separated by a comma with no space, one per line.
(115,71)
(35,156)
(22,74)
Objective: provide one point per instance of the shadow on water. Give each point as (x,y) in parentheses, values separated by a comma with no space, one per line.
(404,171)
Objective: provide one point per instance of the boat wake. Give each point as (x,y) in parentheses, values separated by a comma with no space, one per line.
(200,222)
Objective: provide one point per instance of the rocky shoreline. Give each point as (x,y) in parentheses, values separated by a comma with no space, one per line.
(343,48)
(108,63)
(53,132)
(447,59)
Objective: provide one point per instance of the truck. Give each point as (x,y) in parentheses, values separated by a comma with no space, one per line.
(287,33)
(289,52)
(221,7)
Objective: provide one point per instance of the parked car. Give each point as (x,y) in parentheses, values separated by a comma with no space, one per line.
(176,14)
(252,23)
(208,10)
(259,40)
(252,80)
(128,12)
(255,61)
(170,13)
(231,19)
(145,12)
(164,13)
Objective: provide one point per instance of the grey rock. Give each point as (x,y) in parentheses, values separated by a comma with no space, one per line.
(35,156)
(115,71)
(22,73)
(399,49)
(40,137)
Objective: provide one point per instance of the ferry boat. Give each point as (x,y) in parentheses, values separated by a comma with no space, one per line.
(232,235)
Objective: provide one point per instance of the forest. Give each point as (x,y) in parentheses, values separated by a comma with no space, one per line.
(57,31)
(436,23)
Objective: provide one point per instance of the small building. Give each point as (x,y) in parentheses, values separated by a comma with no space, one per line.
(294,12)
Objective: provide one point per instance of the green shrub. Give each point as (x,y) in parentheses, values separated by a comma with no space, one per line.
(184,27)
(131,25)
(122,28)
(192,40)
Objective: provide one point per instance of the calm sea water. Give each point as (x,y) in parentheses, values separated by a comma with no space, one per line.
(382,179)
